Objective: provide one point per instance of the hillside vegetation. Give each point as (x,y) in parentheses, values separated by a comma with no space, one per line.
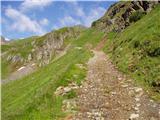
(136,50)
(121,14)
(37,49)
(33,96)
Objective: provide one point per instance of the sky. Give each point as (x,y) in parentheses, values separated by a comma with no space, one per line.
(20,19)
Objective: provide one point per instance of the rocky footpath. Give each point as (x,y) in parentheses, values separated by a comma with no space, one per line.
(108,94)
(118,15)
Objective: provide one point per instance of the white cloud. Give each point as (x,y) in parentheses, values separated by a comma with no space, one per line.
(69,21)
(93,15)
(86,18)
(33,4)
(44,21)
(66,21)
(22,23)
(77,9)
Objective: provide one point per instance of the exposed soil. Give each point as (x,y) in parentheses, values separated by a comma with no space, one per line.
(107,94)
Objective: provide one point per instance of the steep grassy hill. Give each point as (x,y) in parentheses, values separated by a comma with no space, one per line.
(33,96)
(37,49)
(121,14)
(136,50)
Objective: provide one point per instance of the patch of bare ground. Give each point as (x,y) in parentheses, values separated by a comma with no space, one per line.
(107,94)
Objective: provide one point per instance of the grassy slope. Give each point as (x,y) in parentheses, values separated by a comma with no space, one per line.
(23,48)
(33,98)
(132,50)
(17,47)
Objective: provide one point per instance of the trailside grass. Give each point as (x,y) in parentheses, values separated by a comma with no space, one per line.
(136,51)
(32,97)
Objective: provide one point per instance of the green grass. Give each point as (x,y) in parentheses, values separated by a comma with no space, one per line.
(135,50)
(5,71)
(24,47)
(32,98)
(17,47)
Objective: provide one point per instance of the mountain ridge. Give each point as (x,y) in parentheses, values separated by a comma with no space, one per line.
(118,16)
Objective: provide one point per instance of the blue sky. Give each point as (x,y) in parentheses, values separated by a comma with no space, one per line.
(22,19)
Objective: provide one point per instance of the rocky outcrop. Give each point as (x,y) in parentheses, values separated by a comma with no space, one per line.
(40,50)
(117,16)
(53,44)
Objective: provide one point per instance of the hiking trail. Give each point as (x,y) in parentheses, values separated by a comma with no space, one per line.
(107,94)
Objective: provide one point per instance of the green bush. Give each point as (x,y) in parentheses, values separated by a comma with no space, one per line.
(136,16)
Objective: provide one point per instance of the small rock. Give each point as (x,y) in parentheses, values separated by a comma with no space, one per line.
(133,116)
(136,108)
(67,89)
(106,105)
(63,90)
(33,64)
(113,93)
(140,94)
(151,101)
(124,86)
(137,99)
(138,104)
(21,68)
(131,93)
(119,78)
(59,90)
(137,90)
(129,80)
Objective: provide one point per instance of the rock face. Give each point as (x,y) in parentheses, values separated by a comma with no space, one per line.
(52,44)
(117,16)
(40,50)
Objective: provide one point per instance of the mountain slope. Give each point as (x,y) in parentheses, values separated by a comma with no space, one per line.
(121,14)
(136,50)
(38,50)
(33,96)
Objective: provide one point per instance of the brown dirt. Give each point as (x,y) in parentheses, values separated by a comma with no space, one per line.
(107,94)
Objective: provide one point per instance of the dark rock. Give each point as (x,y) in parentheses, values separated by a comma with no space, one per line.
(120,12)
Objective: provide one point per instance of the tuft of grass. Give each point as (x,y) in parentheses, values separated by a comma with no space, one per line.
(136,50)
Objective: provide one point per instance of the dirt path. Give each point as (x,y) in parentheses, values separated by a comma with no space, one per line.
(109,95)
